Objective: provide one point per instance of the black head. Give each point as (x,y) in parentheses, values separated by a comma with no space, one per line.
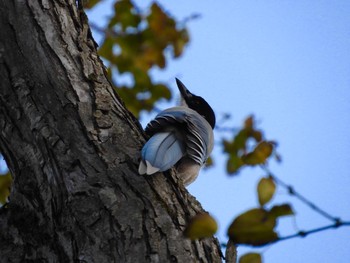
(197,103)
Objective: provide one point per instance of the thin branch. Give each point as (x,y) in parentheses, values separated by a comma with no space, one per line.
(302,198)
(312,231)
(302,233)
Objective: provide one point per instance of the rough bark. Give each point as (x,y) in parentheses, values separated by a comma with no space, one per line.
(73,151)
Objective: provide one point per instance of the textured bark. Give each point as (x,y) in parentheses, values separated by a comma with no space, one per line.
(73,151)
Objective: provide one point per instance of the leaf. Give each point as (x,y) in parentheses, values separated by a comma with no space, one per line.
(254,227)
(180,43)
(240,140)
(106,49)
(209,162)
(5,187)
(281,210)
(228,146)
(266,190)
(250,258)
(161,91)
(90,3)
(249,122)
(201,226)
(233,164)
(259,155)
(257,135)
(125,15)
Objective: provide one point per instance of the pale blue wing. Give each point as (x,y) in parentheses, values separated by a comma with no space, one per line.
(163,150)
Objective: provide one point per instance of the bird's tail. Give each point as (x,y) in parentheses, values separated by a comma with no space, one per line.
(161,152)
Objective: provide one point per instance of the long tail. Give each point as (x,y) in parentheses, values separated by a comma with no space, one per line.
(160,153)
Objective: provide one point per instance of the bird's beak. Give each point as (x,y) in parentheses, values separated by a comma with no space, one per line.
(185,93)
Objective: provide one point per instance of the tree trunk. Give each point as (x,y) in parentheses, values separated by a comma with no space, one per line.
(73,150)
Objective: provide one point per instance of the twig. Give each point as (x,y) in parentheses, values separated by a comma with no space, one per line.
(302,198)
(303,233)
(312,231)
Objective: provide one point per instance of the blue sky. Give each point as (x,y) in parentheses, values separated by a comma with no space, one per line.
(288,63)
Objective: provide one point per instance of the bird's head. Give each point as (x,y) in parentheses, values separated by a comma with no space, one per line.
(196,103)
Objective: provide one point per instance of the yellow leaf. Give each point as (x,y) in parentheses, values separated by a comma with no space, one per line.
(254,227)
(281,210)
(266,190)
(201,226)
(233,164)
(250,258)
(259,155)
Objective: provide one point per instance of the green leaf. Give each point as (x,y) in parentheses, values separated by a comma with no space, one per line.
(209,162)
(254,227)
(240,140)
(201,226)
(249,122)
(281,210)
(228,146)
(266,190)
(161,91)
(233,164)
(180,43)
(5,187)
(90,3)
(259,155)
(250,258)
(125,15)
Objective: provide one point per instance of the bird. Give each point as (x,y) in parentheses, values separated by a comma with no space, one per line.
(180,137)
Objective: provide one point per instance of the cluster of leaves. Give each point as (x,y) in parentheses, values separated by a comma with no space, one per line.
(257,226)
(134,43)
(240,151)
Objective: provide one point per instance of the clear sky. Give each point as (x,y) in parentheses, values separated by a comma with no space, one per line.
(288,63)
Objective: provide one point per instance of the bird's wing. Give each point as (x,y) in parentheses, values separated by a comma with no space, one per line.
(162,151)
(189,127)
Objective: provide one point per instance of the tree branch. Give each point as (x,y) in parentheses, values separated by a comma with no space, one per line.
(312,231)
(302,198)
